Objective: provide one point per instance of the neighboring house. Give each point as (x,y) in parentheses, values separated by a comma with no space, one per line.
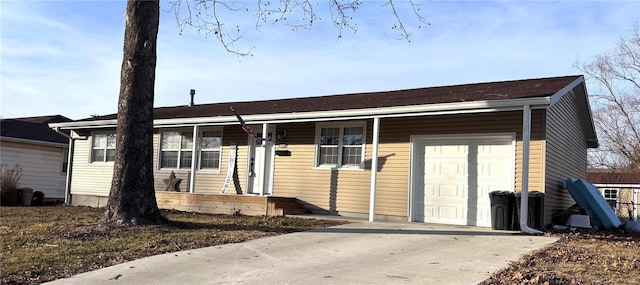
(620,189)
(438,151)
(40,151)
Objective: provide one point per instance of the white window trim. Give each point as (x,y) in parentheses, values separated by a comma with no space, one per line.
(197,155)
(617,190)
(199,150)
(65,157)
(103,161)
(179,150)
(341,125)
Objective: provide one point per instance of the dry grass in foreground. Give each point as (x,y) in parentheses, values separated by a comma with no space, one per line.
(40,244)
(587,257)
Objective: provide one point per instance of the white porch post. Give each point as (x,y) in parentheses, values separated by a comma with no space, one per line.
(634,200)
(374,169)
(526,143)
(194,159)
(263,176)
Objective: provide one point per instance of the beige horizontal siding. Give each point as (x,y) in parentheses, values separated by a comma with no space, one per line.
(348,191)
(321,189)
(89,178)
(207,181)
(536,153)
(625,202)
(566,153)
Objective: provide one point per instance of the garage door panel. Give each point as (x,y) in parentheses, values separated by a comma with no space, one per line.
(458,176)
(451,191)
(429,213)
(452,213)
(430,190)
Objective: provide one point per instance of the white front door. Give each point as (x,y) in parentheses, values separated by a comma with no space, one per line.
(452,177)
(256,173)
(259,166)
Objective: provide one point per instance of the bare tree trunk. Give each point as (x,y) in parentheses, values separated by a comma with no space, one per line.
(132,198)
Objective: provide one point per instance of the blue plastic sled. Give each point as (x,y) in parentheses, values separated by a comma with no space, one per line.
(590,199)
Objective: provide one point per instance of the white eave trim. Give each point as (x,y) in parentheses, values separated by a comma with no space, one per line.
(36,142)
(316,116)
(556,96)
(617,185)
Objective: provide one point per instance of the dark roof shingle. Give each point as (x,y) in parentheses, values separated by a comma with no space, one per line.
(613,177)
(528,88)
(33,128)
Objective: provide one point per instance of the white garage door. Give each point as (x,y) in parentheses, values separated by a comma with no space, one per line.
(452,177)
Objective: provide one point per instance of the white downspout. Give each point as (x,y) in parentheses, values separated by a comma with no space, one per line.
(524,198)
(194,159)
(67,186)
(374,169)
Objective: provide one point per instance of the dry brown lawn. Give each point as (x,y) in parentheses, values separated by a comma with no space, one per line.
(40,244)
(587,257)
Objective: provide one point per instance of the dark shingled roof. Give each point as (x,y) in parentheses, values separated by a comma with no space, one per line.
(528,88)
(613,177)
(33,128)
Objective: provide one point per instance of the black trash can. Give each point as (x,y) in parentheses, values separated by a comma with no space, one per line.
(502,209)
(535,219)
(38,197)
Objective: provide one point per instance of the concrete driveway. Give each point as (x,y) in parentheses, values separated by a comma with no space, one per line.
(356,253)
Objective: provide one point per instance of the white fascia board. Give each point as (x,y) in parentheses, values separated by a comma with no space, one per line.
(36,142)
(556,96)
(84,124)
(316,116)
(636,186)
(387,112)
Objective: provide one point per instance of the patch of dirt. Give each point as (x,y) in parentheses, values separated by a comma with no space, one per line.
(584,257)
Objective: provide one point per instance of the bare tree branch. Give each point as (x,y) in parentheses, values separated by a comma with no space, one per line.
(617,103)
(206,18)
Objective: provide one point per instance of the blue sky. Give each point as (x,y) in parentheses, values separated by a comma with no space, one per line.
(64,57)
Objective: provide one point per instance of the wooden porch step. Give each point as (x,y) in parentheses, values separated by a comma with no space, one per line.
(288,206)
(302,211)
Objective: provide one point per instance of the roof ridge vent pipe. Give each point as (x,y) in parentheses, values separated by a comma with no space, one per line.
(192,93)
(524,198)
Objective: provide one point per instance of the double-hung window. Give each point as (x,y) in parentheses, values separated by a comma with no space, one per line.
(210,149)
(103,147)
(611,195)
(340,145)
(176,149)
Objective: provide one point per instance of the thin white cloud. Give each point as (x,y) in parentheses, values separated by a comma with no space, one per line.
(68,61)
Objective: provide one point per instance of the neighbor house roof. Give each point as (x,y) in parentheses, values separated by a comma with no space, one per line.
(33,128)
(517,89)
(614,177)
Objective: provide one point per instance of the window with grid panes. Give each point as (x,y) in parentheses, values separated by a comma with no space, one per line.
(340,145)
(611,195)
(175,149)
(103,147)
(210,149)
